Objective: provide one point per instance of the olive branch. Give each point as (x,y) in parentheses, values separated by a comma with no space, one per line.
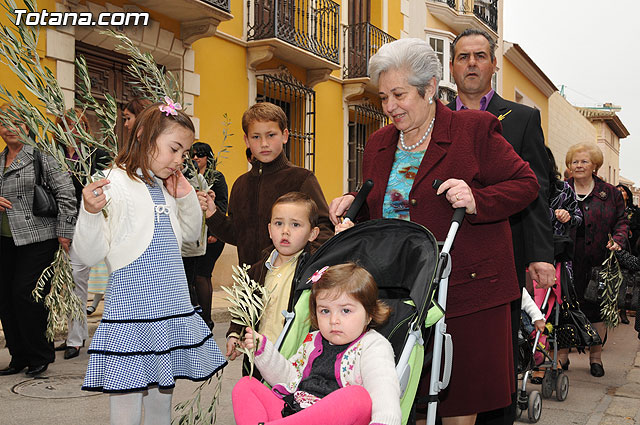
(61,301)
(193,413)
(248,301)
(611,275)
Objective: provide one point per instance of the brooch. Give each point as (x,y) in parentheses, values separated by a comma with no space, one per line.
(602,195)
(501,117)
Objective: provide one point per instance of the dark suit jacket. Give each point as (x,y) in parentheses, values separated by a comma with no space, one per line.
(465,145)
(530,228)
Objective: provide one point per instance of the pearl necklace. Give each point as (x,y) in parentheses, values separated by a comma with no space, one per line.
(421,141)
(583,197)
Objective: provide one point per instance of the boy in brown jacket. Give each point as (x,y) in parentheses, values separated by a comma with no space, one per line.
(253,193)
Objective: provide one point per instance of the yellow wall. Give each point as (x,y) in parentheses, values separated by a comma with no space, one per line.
(234,27)
(223,89)
(396,22)
(376,13)
(513,79)
(329,138)
(437,24)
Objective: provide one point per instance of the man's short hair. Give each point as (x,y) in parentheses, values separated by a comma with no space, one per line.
(264,112)
(473,31)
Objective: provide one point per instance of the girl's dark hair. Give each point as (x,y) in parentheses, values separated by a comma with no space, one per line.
(200,149)
(140,146)
(137,105)
(355,281)
(629,200)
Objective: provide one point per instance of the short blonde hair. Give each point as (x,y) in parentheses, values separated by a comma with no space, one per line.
(595,154)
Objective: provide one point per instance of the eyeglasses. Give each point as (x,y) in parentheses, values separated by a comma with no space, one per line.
(199,155)
(581,162)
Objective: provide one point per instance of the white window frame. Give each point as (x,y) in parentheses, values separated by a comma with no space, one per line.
(447,38)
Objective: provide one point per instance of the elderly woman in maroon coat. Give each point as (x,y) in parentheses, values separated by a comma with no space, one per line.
(482,174)
(603,209)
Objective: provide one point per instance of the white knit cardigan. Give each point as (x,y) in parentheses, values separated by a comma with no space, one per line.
(126,232)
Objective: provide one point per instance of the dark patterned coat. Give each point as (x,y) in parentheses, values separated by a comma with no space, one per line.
(603,214)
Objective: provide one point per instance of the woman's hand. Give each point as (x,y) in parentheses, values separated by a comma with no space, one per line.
(562,215)
(338,207)
(340,227)
(212,239)
(613,246)
(4,204)
(65,243)
(177,185)
(207,202)
(248,342)
(232,343)
(459,195)
(94,197)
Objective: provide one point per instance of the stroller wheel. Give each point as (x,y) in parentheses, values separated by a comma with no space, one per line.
(535,407)
(547,384)
(562,387)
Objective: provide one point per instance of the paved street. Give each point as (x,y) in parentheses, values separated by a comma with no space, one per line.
(56,398)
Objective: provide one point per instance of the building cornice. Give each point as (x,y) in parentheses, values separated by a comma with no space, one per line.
(519,58)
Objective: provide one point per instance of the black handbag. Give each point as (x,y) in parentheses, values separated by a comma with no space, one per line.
(44,203)
(596,286)
(574,329)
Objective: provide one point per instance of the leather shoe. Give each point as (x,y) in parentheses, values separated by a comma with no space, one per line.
(61,347)
(623,317)
(597,370)
(71,352)
(36,370)
(11,370)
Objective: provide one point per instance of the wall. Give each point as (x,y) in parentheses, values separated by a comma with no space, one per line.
(567,127)
(513,79)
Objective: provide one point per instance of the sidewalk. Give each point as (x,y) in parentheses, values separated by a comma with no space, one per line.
(56,397)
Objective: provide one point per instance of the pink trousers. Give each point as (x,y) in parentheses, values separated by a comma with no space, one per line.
(254,403)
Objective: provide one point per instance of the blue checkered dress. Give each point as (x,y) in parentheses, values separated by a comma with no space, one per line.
(150,334)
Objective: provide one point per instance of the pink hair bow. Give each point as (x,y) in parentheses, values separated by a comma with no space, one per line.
(170,108)
(317,275)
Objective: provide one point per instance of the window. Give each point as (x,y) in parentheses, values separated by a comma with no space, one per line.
(364,119)
(299,103)
(441,45)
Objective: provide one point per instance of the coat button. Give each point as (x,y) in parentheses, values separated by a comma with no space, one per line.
(414,202)
(28,217)
(18,175)
(19,196)
(586,207)
(473,275)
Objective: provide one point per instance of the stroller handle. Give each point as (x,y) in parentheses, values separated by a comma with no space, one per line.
(458,214)
(360,198)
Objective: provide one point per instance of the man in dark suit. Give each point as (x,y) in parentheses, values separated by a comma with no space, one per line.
(473,65)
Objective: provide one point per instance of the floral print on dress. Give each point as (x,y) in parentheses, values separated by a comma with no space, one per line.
(396,199)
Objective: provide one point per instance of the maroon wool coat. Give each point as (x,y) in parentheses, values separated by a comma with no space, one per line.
(465,145)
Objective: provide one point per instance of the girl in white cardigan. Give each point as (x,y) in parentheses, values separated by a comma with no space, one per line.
(136,220)
(343,374)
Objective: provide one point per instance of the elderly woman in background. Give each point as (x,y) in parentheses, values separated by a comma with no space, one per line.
(27,246)
(603,212)
(427,141)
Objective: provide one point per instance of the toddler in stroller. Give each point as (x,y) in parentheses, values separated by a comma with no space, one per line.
(342,374)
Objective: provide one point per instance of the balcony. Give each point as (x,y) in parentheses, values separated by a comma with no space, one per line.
(198,18)
(487,12)
(361,42)
(463,14)
(302,32)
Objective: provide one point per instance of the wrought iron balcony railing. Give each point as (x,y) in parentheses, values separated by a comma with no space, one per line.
(312,25)
(361,42)
(220,4)
(487,12)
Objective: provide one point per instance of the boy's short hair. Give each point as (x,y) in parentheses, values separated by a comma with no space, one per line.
(300,198)
(264,112)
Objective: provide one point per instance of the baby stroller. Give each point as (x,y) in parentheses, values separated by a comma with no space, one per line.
(554,376)
(405,261)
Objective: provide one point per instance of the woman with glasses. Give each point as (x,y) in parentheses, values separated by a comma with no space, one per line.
(199,267)
(603,212)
